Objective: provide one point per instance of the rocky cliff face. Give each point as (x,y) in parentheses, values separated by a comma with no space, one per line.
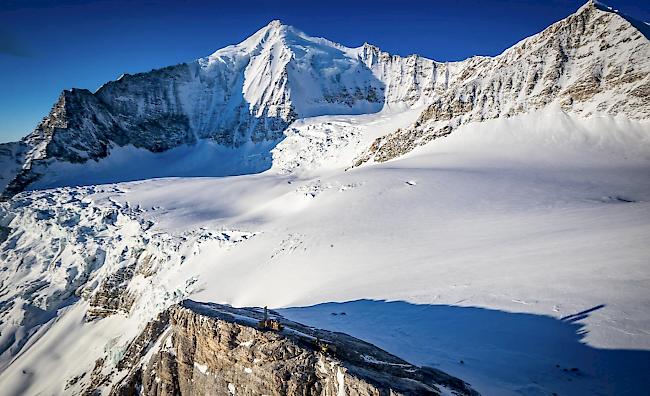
(196,348)
(57,248)
(62,250)
(246,93)
(411,80)
(11,162)
(593,62)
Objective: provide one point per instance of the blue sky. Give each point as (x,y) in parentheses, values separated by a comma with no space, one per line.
(50,45)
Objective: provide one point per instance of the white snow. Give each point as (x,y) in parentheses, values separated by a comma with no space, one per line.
(10,164)
(201,367)
(129,163)
(512,253)
(340,380)
(511,226)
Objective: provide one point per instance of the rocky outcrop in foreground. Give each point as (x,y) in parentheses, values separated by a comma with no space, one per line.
(199,349)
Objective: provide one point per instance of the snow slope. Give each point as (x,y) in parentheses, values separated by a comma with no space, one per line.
(244,97)
(518,244)
(500,229)
(594,62)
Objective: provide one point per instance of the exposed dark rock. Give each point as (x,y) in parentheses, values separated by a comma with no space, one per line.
(112,296)
(571,63)
(219,350)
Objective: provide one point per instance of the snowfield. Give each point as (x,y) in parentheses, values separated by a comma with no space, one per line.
(512,254)
(488,217)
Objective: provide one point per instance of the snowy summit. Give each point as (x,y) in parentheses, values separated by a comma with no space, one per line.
(484,224)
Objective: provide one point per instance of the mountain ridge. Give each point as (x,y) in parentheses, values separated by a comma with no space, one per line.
(249,93)
(593,62)
(535,203)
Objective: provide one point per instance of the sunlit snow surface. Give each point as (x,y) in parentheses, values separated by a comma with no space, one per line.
(519,247)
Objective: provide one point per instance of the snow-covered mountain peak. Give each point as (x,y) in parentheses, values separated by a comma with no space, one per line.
(591,4)
(274,34)
(276,23)
(587,25)
(642,26)
(595,61)
(538,181)
(599,5)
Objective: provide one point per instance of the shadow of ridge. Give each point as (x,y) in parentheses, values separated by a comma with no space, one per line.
(22,338)
(492,350)
(204,158)
(229,137)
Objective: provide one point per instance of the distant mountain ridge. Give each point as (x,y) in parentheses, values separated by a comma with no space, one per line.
(512,254)
(593,62)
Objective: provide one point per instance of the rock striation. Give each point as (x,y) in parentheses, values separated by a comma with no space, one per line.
(197,348)
(242,94)
(594,62)
(60,247)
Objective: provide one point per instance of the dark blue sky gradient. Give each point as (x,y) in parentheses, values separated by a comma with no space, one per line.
(50,45)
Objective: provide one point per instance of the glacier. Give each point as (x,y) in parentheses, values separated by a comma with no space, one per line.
(492,211)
